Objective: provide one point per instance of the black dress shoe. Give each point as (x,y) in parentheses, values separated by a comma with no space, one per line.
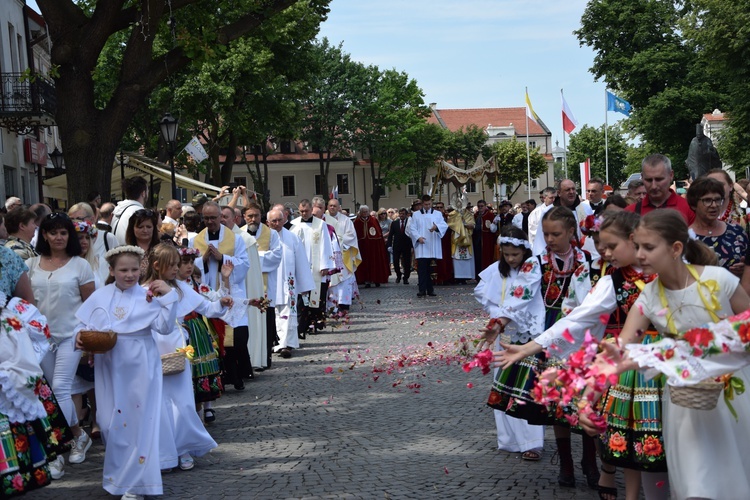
(259,369)
(209,415)
(406,281)
(239,386)
(432,294)
(285,353)
(421,295)
(398,280)
(377,285)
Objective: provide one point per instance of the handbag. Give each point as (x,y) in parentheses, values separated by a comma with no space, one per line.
(174,362)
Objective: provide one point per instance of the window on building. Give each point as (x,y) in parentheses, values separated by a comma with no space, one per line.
(411,189)
(471,186)
(532,144)
(286,147)
(288,186)
(535,184)
(319,185)
(9,176)
(240,181)
(383,191)
(342,181)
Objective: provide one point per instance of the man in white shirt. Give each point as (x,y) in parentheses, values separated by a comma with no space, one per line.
(595,195)
(426,227)
(174,212)
(136,192)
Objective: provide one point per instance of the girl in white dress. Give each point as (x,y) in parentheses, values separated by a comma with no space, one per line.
(128,378)
(513,434)
(706,449)
(182,434)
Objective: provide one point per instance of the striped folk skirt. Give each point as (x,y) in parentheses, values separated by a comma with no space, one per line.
(205,363)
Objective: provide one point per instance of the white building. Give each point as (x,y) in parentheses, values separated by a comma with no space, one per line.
(27,102)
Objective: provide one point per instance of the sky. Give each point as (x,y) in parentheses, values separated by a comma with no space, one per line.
(478,53)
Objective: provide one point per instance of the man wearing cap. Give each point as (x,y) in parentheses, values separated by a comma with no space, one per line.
(505,217)
(136,191)
(198,201)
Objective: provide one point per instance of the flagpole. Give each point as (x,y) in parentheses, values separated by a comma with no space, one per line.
(606,138)
(565,147)
(528,154)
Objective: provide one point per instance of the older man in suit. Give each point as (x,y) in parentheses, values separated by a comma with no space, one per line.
(399,244)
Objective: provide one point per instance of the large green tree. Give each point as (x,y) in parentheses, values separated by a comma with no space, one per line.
(327,121)
(428,142)
(389,105)
(159,40)
(721,30)
(511,160)
(642,54)
(588,142)
(465,145)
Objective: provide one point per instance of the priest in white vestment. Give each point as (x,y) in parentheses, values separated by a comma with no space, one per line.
(218,245)
(269,252)
(256,322)
(426,227)
(293,278)
(343,284)
(314,235)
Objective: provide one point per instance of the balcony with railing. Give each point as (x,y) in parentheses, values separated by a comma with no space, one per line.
(26,101)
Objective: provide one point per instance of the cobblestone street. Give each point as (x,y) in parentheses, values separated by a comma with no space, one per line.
(301,430)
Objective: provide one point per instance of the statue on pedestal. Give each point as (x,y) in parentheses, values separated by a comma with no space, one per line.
(702,155)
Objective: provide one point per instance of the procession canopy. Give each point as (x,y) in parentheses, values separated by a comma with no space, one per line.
(459,176)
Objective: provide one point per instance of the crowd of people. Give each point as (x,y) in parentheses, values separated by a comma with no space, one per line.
(659,265)
(203,297)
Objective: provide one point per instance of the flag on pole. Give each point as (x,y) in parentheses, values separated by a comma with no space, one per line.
(530,109)
(569,121)
(585,176)
(195,149)
(618,104)
(335,192)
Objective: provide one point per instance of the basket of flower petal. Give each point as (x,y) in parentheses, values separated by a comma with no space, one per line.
(173,363)
(702,396)
(96,341)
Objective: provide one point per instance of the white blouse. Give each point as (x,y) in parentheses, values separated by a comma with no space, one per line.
(58,295)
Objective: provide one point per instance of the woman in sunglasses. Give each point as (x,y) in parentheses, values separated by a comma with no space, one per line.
(143,232)
(61,281)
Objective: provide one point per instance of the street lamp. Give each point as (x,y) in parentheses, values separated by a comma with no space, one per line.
(57,159)
(169,125)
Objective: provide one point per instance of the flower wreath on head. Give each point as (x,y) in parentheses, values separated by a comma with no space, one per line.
(591,224)
(125,249)
(189,252)
(505,240)
(84,227)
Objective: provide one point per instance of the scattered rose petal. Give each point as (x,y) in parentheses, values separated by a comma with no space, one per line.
(445,469)
(470,385)
(659,484)
(328,369)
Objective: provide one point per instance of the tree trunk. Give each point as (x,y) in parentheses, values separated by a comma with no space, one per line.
(323,173)
(227,166)
(375,196)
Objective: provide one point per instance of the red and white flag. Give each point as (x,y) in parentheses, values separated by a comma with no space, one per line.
(585,176)
(569,121)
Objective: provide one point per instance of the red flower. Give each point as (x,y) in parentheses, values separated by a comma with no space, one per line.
(14,323)
(40,476)
(49,407)
(494,398)
(553,291)
(579,271)
(652,447)
(36,324)
(527,266)
(518,292)
(699,337)
(617,442)
(744,332)
(47,333)
(669,354)
(22,444)
(17,482)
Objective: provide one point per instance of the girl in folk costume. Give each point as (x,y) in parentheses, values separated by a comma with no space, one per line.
(33,430)
(205,368)
(128,377)
(513,434)
(560,277)
(632,409)
(181,433)
(705,448)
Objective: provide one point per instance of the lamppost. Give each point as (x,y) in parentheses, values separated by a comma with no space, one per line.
(56,157)
(169,125)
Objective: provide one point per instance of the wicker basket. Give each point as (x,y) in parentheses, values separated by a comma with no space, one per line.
(172,363)
(702,396)
(97,342)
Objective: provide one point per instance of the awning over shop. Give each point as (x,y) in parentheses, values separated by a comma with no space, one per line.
(136,164)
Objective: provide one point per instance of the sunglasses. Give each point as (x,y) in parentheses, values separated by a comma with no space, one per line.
(145,212)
